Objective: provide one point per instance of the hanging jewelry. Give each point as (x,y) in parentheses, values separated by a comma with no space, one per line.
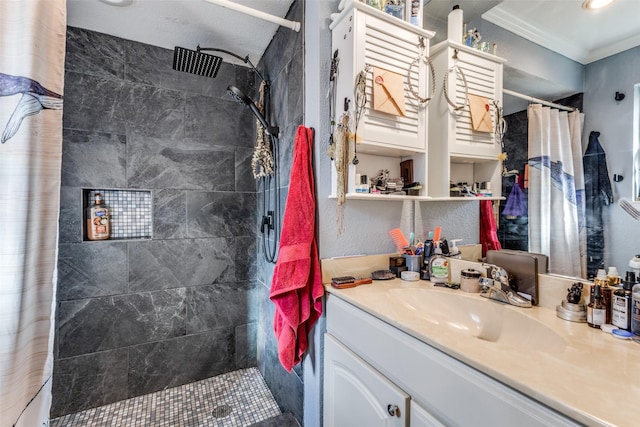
(331,94)
(422,56)
(341,161)
(457,71)
(262,164)
(360,98)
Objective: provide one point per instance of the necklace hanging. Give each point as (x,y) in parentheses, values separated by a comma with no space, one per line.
(422,56)
(360,98)
(457,72)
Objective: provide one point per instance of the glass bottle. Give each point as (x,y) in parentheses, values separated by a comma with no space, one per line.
(596,312)
(635,309)
(621,303)
(98,220)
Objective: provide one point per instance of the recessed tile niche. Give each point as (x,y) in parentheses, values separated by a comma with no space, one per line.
(131,213)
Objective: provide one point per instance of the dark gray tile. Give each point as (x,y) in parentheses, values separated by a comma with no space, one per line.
(218,214)
(245,182)
(169,363)
(153,111)
(220,306)
(177,263)
(89,381)
(284,45)
(172,164)
(245,258)
(71,215)
(282,420)
(94,53)
(91,269)
(87,326)
(169,214)
(93,103)
(220,121)
(94,159)
(246,345)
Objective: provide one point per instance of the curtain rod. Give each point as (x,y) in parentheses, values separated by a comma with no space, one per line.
(293,25)
(539,101)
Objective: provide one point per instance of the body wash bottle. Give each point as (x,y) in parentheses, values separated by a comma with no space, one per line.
(98,220)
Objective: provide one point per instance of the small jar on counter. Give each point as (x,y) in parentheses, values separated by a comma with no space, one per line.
(470,280)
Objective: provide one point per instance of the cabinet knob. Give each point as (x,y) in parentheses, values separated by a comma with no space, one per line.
(393,410)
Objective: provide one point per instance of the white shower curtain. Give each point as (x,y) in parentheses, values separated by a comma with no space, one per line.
(556,189)
(32,48)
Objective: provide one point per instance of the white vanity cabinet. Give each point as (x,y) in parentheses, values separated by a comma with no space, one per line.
(457,152)
(441,389)
(365,37)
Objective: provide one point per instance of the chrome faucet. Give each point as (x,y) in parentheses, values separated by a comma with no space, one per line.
(497,287)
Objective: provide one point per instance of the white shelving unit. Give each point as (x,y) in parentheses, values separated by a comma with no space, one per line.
(457,153)
(443,147)
(364,37)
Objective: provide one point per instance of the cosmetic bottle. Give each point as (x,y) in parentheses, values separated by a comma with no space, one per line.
(596,311)
(438,266)
(621,303)
(98,220)
(635,309)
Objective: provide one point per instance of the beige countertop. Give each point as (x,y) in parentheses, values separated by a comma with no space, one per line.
(582,372)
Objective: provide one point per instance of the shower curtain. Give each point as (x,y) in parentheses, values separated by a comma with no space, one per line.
(556,189)
(32,48)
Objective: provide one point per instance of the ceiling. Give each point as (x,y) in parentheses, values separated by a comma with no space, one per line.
(185,23)
(560,25)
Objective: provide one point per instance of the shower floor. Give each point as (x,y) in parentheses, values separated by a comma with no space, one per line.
(236,399)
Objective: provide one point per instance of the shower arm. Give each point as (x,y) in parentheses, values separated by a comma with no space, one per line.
(243,59)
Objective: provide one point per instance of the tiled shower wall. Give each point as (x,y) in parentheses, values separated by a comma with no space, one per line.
(134,317)
(283,64)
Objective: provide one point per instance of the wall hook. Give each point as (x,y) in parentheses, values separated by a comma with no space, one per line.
(619,96)
(617,178)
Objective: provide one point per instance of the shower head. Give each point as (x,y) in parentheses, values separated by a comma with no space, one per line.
(196,62)
(243,99)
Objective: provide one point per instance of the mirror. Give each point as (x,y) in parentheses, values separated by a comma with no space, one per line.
(534,69)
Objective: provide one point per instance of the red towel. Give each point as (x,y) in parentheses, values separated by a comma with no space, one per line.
(296,286)
(488,229)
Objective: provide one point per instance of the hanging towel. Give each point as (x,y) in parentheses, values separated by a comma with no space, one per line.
(598,193)
(488,229)
(296,286)
(516,203)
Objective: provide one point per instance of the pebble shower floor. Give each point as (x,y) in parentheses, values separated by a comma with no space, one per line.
(236,399)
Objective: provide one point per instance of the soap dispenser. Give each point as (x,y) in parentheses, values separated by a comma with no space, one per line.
(454,251)
(438,266)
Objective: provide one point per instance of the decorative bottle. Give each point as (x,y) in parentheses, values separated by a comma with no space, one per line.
(596,312)
(621,304)
(98,220)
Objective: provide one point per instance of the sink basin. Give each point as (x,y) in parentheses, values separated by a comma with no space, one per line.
(479,318)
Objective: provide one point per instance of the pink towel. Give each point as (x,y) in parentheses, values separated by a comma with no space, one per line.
(296,286)
(488,229)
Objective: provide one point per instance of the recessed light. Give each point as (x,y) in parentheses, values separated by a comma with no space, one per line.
(117,2)
(596,4)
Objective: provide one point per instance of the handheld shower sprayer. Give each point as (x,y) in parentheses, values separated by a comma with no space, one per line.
(243,99)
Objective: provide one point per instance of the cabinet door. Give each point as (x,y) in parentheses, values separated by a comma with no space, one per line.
(484,78)
(421,418)
(355,394)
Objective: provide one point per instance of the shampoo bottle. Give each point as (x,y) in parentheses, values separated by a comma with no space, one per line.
(635,309)
(98,220)
(439,266)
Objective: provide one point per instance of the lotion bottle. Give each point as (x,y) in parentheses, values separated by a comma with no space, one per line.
(439,266)
(98,220)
